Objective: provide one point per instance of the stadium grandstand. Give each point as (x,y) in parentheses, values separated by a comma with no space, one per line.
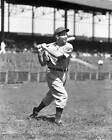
(24,22)
(89,21)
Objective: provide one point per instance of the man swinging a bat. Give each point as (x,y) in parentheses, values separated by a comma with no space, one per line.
(56,56)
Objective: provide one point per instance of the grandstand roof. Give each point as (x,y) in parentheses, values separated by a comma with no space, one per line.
(91,5)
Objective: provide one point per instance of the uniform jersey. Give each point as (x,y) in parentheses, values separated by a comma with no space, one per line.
(63,61)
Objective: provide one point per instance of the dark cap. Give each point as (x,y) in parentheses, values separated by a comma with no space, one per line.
(60,30)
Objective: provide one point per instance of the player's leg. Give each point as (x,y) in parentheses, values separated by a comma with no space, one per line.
(60,95)
(56,83)
(58,115)
(45,102)
(36,110)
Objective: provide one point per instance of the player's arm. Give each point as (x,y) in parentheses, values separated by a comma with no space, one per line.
(40,52)
(52,51)
(41,58)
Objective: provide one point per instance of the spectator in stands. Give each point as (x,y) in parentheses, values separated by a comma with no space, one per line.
(100,62)
(3,46)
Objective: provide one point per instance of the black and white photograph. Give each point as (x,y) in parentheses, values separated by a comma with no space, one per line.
(56,70)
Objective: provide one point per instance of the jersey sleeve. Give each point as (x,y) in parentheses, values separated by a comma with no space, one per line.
(67,50)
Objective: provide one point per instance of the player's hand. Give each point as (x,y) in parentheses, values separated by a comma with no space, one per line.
(43,46)
(40,50)
(38,46)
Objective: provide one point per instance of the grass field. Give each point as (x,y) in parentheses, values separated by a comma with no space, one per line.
(87,116)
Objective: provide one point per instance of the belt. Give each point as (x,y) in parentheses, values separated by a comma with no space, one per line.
(58,69)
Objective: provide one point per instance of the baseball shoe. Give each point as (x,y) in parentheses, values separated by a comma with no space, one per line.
(59,123)
(34,114)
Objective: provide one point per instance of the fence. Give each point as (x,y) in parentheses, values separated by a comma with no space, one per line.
(24,67)
(12,77)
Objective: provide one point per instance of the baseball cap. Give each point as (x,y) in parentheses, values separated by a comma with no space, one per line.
(60,30)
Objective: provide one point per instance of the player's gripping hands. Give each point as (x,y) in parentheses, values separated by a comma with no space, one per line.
(40,47)
(44,46)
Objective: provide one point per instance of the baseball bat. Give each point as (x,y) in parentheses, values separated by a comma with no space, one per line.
(68,39)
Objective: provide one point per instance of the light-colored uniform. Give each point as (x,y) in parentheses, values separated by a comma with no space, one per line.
(57,75)
(3,46)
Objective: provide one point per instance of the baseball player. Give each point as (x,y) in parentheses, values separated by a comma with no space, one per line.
(3,46)
(56,56)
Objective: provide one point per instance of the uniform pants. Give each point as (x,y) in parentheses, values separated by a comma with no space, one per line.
(57,92)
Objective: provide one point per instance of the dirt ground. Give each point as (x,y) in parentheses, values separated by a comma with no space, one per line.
(87,116)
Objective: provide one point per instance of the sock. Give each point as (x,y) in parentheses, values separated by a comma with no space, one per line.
(58,113)
(39,108)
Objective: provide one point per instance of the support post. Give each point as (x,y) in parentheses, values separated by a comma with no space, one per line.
(108,26)
(2,19)
(93,25)
(65,18)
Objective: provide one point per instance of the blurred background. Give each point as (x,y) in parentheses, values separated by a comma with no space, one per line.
(24,22)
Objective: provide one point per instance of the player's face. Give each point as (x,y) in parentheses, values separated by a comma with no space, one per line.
(62,38)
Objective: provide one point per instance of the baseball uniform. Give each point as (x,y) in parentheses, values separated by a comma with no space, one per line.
(57,74)
(57,57)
